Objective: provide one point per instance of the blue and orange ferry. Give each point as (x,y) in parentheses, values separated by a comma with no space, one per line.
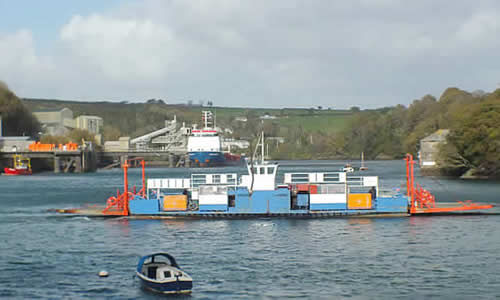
(258,194)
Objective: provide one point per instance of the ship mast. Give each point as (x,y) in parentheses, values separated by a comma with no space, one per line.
(262,149)
(208,120)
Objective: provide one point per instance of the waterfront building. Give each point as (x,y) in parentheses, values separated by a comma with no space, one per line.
(55,121)
(92,124)
(429,148)
(60,121)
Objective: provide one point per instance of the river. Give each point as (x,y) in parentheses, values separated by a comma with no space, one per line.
(50,256)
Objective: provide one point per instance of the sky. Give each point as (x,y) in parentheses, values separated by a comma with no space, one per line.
(254,53)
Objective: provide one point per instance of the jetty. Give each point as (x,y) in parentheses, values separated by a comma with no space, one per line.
(76,161)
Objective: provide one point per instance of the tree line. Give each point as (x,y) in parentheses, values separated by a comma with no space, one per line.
(389,133)
(17,120)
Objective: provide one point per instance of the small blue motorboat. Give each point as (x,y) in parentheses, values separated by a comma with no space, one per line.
(160,272)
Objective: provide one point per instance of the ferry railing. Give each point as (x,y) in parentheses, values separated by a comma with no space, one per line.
(156,186)
(334,177)
(223,179)
(169,183)
(359,182)
(362,181)
(355,180)
(385,192)
(333,188)
(321,177)
(227,179)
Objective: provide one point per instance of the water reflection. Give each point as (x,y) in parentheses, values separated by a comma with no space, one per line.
(174,224)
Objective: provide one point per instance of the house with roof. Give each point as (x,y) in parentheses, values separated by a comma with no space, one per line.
(92,124)
(429,148)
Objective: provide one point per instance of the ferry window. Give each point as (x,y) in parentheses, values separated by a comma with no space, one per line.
(216,179)
(270,170)
(262,170)
(255,170)
(167,274)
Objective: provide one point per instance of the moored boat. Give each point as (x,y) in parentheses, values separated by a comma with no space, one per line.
(160,273)
(347,168)
(204,145)
(21,166)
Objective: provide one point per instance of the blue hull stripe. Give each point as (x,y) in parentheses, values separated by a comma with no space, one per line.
(212,207)
(207,157)
(332,206)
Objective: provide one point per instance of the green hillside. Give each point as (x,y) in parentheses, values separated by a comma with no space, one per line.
(388,132)
(134,119)
(318,121)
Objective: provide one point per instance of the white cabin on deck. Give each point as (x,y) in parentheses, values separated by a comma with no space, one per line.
(264,177)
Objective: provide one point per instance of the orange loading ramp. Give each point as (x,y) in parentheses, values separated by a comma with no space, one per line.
(424,202)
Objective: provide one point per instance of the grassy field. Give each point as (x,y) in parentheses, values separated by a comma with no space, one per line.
(310,120)
(318,122)
(138,118)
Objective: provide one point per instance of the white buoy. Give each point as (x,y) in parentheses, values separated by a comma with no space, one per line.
(103,274)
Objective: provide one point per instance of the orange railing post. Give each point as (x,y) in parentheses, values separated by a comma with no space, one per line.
(143,190)
(412,185)
(125,187)
(410,181)
(119,205)
(407,175)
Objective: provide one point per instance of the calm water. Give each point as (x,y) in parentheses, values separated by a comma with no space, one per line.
(49,256)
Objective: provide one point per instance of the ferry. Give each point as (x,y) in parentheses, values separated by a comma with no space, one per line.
(22,166)
(204,145)
(258,194)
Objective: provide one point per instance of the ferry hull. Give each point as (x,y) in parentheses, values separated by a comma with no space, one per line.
(277,203)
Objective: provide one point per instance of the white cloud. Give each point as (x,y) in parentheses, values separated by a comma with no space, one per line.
(261,53)
(123,49)
(20,67)
(23,57)
(481,27)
